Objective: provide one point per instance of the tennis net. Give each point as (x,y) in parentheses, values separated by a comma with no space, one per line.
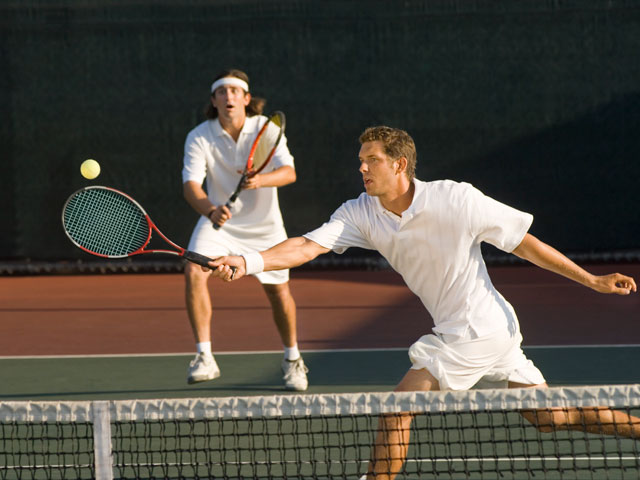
(455,435)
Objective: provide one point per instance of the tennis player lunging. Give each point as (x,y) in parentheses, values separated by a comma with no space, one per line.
(217,150)
(430,232)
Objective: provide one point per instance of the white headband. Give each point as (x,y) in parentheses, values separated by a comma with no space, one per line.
(236,82)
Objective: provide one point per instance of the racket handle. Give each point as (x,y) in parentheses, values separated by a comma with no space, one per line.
(228,205)
(197,258)
(202,260)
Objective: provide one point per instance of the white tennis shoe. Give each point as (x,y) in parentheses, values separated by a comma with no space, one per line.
(202,368)
(295,375)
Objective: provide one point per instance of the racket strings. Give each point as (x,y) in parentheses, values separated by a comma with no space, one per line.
(266,143)
(106,223)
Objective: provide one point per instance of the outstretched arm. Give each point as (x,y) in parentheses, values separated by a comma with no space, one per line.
(288,254)
(547,257)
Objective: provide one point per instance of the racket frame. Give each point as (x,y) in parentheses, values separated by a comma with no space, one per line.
(247,170)
(179,251)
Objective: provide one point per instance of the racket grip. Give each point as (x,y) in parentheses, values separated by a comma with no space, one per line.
(228,205)
(197,258)
(202,260)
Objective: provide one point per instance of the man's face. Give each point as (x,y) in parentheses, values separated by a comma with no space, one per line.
(230,100)
(379,172)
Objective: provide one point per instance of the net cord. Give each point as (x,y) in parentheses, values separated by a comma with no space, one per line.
(104,414)
(614,396)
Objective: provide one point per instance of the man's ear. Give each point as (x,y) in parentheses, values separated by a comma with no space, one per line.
(401,165)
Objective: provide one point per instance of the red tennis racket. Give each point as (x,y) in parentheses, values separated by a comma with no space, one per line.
(262,151)
(108,223)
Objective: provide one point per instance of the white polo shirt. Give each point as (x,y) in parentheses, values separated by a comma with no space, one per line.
(435,246)
(211,153)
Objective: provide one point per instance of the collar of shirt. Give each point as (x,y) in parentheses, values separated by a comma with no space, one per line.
(251,126)
(417,203)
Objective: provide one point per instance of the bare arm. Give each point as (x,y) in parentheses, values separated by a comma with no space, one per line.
(195,196)
(547,257)
(278,178)
(288,254)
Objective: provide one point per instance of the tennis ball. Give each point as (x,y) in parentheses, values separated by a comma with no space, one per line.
(90,169)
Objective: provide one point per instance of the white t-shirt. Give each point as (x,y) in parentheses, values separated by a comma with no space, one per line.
(435,246)
(211,153)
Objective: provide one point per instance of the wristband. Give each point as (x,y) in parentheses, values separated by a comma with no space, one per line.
(254,263)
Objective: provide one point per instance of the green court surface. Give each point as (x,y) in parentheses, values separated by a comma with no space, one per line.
(479,445)
(164,376)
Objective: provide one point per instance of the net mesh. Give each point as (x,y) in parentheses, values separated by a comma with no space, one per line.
(454,435)
(105,222)
(268,141)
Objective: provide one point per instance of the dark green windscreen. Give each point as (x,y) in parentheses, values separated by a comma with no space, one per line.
(535,103)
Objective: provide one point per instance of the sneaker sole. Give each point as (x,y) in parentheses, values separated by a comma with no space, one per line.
(295,388)
(192,380)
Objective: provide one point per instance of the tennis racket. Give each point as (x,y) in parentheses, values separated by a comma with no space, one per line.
(105,222)
(262,150)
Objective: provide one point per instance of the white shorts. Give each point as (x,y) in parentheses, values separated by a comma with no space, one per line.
(213,243)
(459,363)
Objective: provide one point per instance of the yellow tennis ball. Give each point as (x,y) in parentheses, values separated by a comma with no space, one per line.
(90,169)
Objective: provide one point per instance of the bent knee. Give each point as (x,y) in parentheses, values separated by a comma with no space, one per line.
(194,273)
(277,290)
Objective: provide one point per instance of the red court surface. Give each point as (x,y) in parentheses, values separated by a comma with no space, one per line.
(145,314)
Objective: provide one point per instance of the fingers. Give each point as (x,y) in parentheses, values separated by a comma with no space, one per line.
(220,215)
(252,182)
(615,283)
(224,272)
(224,269)
(625,284)
(621,284)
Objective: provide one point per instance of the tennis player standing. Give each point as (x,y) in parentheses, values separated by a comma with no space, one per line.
(430,232)
(217,150)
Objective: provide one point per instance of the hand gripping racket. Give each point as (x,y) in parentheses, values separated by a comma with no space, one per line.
(262,150)
(108,223)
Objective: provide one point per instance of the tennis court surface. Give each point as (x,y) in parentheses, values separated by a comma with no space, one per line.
(97,364)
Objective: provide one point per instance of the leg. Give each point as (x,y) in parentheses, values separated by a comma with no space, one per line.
(284,315)
(198,301)
(600,420)
(392,440)
(284,311)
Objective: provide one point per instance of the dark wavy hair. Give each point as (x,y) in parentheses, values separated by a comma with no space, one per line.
(397,143)
(256,105)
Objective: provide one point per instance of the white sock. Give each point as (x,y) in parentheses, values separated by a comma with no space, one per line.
(204,347)
(291,353)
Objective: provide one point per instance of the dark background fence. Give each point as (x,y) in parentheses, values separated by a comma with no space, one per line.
(537,103)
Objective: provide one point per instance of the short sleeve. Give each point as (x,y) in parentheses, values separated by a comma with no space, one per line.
(341,231)
(493,222)
(194,167)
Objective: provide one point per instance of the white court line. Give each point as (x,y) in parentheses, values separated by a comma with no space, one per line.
(261,352)
(191,354)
